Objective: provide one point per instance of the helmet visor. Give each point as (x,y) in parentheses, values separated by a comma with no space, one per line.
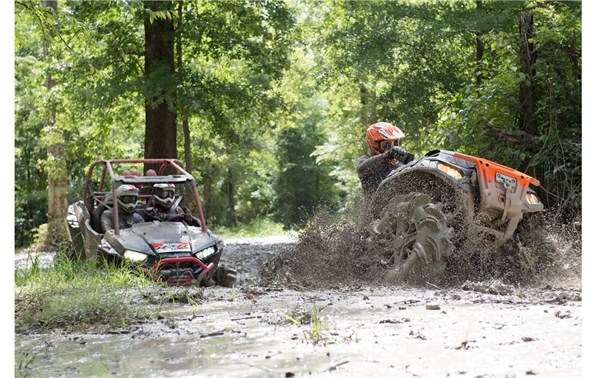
(165,193)
(387,144)
(128,199)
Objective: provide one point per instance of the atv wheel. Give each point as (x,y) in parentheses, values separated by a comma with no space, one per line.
(412,234)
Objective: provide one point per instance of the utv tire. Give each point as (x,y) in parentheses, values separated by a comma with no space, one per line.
(225,276)
(411,233)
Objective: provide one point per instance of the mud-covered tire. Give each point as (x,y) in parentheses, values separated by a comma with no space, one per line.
(225,276)
(412,235)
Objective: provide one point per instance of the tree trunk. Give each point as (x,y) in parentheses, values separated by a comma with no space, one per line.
(231,197)
(183,112)
(479,48)
(526,89)
(368,101)
(160,117)
(57,231)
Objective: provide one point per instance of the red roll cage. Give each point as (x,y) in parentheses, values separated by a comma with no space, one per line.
(175,174)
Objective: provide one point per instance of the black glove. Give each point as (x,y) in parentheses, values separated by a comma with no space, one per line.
(395,152)
(407,158)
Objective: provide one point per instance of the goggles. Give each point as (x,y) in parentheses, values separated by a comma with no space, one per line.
(128,199)
(387,144)
(163,194)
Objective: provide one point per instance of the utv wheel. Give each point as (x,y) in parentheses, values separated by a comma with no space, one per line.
(412,235)
(225,276)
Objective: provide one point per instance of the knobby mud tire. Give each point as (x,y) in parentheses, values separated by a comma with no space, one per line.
(225,276)
(412,235)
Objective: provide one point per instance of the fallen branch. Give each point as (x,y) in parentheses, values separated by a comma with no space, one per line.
(531,141)
(334,367)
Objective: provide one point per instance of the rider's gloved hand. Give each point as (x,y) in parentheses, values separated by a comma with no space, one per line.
(407,158)
(395,152)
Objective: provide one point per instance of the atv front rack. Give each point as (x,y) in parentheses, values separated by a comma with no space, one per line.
(171,270)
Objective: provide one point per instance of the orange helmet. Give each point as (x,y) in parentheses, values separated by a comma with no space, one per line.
(381,136)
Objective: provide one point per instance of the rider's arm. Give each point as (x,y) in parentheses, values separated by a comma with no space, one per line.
(366,164)
(106,221)
(137,218)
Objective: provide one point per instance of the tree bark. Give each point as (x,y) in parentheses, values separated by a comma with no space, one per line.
(57,231)
(160,113)
(479,48)
(527,119)
(182,108)
(231,196)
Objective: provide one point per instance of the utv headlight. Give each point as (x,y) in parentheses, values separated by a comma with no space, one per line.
(135,256)
(453,172)
(205,253)
(532,198)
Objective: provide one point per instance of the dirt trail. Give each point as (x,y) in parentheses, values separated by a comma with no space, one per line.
(489,329)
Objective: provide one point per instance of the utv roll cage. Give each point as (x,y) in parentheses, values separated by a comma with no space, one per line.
(99,199)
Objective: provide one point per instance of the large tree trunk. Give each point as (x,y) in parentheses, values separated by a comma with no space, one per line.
(57,232)
(527,119)
(183,112)
(160,118)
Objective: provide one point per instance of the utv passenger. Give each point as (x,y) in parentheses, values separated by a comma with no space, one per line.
(384,155)
(161,205)
(127,196)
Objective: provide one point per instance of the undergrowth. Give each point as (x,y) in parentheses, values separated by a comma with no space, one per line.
(77,295)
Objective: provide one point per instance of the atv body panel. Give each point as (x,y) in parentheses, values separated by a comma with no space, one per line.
(496,196)
(427,208)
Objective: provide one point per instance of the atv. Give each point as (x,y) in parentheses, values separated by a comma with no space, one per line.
(179,251)
(431,206)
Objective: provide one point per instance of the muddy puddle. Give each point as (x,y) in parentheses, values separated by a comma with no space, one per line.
(482,329)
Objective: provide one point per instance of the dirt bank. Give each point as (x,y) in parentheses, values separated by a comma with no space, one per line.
(489,329)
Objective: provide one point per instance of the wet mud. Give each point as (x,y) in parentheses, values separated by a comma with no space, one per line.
(312,305)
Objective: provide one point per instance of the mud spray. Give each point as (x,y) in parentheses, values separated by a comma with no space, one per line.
(334,252)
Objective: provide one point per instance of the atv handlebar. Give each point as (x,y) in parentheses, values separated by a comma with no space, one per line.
(400,154)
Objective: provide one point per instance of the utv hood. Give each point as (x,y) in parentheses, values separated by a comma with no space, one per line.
(155,238)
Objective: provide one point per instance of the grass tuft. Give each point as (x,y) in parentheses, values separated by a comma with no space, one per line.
(76,296)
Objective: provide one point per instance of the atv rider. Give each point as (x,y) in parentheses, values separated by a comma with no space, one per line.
(161,206)
(385,154)
(127,196)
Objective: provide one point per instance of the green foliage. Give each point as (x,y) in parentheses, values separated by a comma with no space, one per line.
(557,86)
(302,185)
(278,94)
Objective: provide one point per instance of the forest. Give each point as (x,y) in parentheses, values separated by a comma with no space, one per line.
(266,102)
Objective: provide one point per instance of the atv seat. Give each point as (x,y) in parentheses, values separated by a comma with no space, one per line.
(102,206)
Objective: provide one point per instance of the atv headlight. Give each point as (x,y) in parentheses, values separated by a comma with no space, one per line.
(135,256)
(205,253)
(453,172)
(532,198)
